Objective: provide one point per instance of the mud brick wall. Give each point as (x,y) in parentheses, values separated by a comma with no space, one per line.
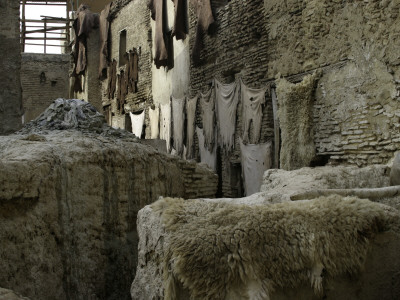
(44,78)
(10,64)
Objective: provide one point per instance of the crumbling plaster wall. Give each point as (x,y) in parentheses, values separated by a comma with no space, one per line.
(354,43)
(10,65)
(357,100)
(134,17)
(44,77)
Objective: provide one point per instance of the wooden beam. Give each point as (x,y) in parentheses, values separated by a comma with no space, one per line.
(23,26)
(41,38)
(42,21)
(48,29)
(43,45)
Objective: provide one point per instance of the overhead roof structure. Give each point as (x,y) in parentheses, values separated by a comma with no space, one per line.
(54,31)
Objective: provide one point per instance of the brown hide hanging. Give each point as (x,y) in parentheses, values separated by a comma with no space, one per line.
(132,71)
(158,10)
(204,20)
(104,31)
(83,25)
(122,91)
(112,80)
(180,28)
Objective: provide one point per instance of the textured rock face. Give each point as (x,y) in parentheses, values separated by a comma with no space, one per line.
(395,171)
(378,279)
(69,201)
(10,295)
(280,182)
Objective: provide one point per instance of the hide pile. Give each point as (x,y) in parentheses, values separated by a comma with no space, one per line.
(215,248)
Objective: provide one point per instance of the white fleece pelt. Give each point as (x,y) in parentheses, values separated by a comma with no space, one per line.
(217,247)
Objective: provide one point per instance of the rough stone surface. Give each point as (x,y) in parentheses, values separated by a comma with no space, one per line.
(395,171)
(10,295)
(44,77)
(10,65)
(286,183)
(69,200)
(378,279)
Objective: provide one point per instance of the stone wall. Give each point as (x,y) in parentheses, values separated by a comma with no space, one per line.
(10,64)
(44,78)
(357,99)
(237,49)
(155,86)
(68,209)
(134,17)
(351,43)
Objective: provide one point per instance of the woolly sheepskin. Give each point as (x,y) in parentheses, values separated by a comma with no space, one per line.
(216,248)
(295,113)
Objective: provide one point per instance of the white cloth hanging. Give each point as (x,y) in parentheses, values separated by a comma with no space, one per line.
(154,116)
(206,156)
(227,99)
(165,124)
(252,101)
(137,122)
(191,121)
(178,120)
(207,102)
(256,159)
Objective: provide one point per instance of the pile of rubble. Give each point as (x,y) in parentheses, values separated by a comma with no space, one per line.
(70,114)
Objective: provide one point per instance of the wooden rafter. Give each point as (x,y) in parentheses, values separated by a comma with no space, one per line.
(47,25)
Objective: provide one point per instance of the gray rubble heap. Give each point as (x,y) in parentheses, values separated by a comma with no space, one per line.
(72,114)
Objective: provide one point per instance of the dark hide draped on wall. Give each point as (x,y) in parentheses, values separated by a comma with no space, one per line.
(112,80)
(133,70)
(104,31)
(180,28)
(204,20)
(157,8)
(83,25)
(122,91)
